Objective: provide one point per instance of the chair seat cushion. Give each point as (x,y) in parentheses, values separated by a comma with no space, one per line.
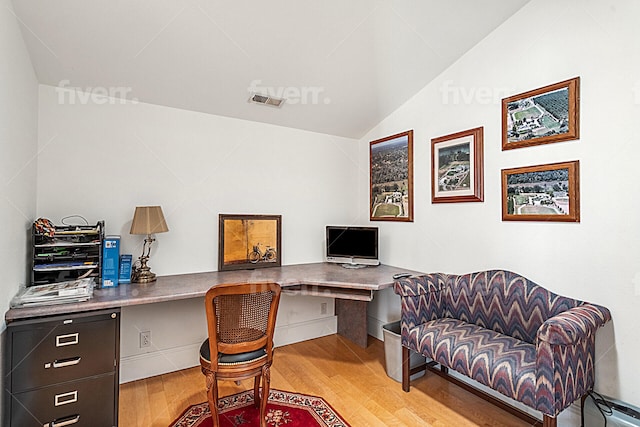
(231,359)
(496,360)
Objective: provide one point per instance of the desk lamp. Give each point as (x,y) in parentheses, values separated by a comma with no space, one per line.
(146,220)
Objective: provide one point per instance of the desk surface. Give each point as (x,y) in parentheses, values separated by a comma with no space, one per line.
(194,285)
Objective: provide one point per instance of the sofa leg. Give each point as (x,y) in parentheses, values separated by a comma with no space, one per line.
(548,421)
(406,367)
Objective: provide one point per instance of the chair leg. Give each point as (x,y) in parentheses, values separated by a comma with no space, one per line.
(548,421)
(256,390)
(266,381)
(212,397)
(406,366)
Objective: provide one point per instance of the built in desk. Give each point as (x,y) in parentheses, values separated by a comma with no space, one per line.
(63,360)
(352,288)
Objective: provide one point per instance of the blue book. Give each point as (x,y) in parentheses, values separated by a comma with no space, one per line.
(125,268)
(110,261)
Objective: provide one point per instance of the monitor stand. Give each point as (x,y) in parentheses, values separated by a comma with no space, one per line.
(347,265)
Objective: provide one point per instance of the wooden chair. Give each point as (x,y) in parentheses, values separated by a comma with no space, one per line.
(241,319)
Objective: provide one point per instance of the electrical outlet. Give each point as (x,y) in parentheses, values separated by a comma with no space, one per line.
(323,308)
(145,339)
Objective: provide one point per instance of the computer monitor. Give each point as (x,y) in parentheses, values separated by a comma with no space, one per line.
(352,246)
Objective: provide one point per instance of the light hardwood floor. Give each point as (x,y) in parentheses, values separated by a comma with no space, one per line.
(352,379)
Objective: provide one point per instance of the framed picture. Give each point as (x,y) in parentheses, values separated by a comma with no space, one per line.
(542,193)
(249,241)
(457,167)
(541,116)
(391,178)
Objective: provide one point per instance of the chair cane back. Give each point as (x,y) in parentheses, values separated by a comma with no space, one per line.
(241,319)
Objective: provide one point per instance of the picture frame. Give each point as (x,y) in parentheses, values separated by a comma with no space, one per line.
(549,192)
(391,178)
(542,116)
(249,241)
(457,167)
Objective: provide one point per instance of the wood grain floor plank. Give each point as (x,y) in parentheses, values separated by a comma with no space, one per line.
(351,379)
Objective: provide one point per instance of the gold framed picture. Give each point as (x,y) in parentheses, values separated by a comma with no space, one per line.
(249,241)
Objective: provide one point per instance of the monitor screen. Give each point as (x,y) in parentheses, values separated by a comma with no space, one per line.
(356,245)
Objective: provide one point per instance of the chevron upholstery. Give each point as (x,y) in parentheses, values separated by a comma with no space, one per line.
(505,332)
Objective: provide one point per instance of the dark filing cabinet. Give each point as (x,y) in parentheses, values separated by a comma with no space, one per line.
(62,371)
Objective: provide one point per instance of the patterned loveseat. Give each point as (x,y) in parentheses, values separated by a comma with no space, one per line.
(505,332)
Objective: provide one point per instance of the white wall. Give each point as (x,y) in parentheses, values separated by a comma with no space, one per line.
(100,158)
(595,260)
(18,147)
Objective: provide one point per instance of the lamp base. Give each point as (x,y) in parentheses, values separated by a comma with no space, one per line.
(143,273)
(143,276)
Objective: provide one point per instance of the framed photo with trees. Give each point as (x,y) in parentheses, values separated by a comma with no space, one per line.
(457,167)
(249,241)
(391,178)
(542,193)
(542,116)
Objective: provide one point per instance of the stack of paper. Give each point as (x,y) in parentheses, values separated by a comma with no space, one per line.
(54,293)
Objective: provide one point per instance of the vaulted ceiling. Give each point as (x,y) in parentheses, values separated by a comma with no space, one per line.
(343,65)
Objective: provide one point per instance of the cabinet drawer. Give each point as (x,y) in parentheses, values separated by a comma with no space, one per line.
(66,349)
(84,403)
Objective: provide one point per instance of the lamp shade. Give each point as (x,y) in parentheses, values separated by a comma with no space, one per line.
(148,220)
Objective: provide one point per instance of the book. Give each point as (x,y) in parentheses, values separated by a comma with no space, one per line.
(125,268)
(110,261)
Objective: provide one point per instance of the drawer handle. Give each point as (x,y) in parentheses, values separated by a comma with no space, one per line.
(65,398)
(66,362)
(69,339)
(63,421)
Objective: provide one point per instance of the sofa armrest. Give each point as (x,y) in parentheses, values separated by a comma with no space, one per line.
(565,356)
(573,325)
(420,302)
(419,285)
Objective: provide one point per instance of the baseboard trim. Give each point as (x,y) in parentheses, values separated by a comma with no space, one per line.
(291,334)
(160,362)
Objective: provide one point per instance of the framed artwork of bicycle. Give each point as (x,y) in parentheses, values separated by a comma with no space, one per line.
(249,241)
(391,178)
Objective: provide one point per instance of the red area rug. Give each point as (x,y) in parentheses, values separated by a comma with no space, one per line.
(283,409)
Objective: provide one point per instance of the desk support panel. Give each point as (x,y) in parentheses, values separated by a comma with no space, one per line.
(352,320)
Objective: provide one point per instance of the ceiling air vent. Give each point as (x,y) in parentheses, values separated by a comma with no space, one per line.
(266,100)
